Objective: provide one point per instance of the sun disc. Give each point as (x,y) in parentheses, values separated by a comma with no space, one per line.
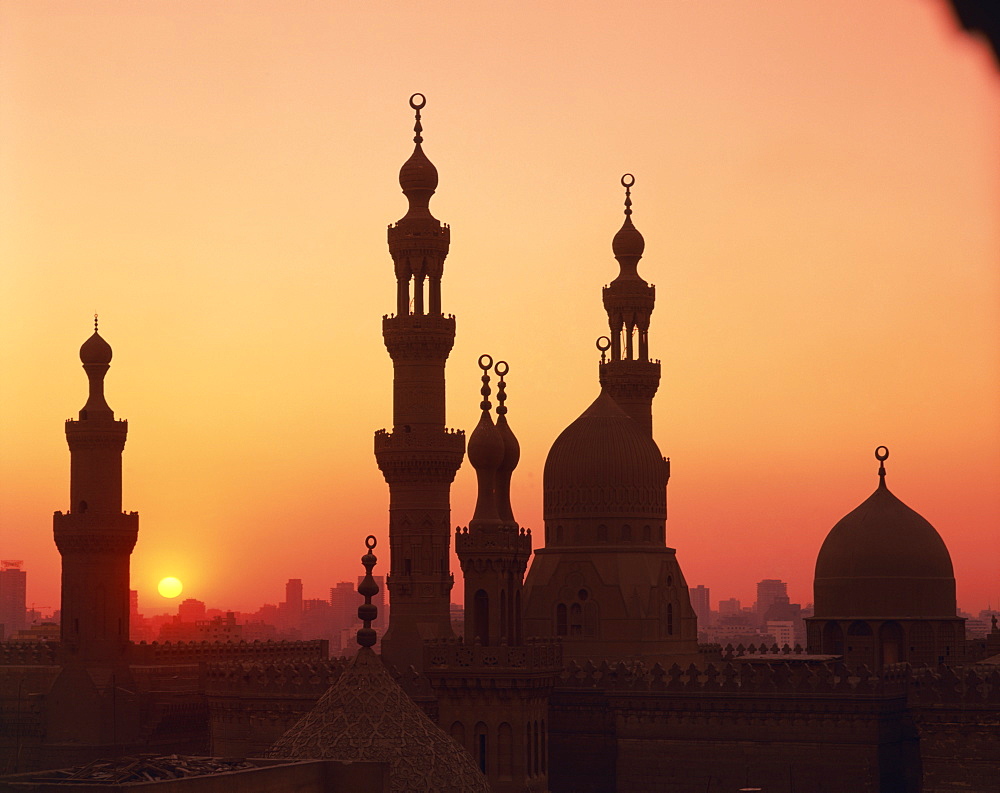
(170,587)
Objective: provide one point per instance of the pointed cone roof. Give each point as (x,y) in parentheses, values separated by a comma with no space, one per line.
(883,559)
(366,717)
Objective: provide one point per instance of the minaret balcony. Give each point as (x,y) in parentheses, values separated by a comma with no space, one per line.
(493,541)
(419,336)
(421,454)
(94,532)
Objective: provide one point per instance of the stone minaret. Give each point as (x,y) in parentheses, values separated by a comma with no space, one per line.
(494,551)
(419,457)
(629,376)
(493,688)
(95,538)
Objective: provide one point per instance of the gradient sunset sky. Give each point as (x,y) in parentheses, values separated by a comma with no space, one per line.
(817,184)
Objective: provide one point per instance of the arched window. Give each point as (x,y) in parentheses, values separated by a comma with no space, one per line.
(481,746)
(647,534)
(576,620)
(626,533)
(833,639)
(602,533)
(505,751)
(481,617)
(503,616)
(561,620)
(527,748)
(559,534)
(517,617)
(544,749)
(670,619)
(457,732)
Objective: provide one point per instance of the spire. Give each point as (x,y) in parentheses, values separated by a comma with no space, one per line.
(418,177)
(881,454)
(628,243)
(511,449)
(486,453)
(368,611)
(95,355)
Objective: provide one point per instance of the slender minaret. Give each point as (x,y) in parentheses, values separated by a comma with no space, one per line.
(629,376)
(419,457)
(493,550)
(95,538)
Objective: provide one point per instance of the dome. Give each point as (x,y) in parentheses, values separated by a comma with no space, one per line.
(418,173)
(366,717)
(884,560)
(95,350)
(605,464)
(628,241)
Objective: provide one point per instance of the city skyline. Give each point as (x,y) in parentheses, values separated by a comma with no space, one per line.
(848,300)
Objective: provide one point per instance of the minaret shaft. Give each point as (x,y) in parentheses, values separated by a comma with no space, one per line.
(95,538)
(419,457)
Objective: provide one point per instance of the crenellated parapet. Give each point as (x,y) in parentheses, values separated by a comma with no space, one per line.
(833,679)
(315,650)
(499,540)
(254,679)
(456,655)
(28,653)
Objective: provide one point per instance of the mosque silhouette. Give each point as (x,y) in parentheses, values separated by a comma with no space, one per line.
(579,670)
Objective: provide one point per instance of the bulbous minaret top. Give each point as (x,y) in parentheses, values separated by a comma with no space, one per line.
(486,454)
(95,354)
(418,177)
(627,373)
(628,243)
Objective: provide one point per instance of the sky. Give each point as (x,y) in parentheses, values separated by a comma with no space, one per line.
(817,187)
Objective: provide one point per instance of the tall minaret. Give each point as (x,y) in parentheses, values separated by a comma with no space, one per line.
(629,376)
(493,550)
(419,457)
(95,538)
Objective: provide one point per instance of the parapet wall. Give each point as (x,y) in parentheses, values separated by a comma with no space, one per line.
(211,652)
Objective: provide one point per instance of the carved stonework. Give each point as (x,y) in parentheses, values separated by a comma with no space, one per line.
(422,337)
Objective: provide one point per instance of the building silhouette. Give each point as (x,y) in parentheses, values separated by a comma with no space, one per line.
(13,597)
(605,583)
(418,457)
(885,587)
(579,670)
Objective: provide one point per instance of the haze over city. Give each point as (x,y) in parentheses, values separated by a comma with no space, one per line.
(216,185)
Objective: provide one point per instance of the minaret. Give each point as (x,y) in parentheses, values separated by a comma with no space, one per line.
(95,538)
(419,457)
(629,376)
(493,550)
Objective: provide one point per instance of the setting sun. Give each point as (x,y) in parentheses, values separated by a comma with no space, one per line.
(170,587)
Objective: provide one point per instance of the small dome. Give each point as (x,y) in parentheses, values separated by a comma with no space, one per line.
(486,445)
(95,350)
(884,560)
(366,717)
(628,241)
(418,173)
(604,463)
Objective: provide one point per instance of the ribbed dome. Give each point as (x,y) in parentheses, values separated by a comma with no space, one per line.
(628,241)
(95,350)
(884,560)
(604,464)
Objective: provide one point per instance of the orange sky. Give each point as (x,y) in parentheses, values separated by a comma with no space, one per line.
(816,183)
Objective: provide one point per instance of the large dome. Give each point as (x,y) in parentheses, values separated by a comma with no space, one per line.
(605,464)
(883,560)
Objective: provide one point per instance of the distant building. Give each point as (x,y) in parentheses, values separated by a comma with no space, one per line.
(191,610)
(702,605)
(768,591)
(729,607)
(13,588)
